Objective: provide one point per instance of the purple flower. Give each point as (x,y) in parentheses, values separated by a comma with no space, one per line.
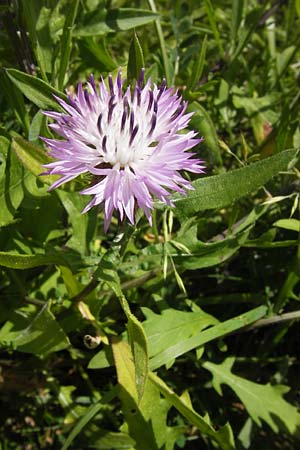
(131,142)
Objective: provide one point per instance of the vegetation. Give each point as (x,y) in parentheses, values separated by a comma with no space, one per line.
(179,335)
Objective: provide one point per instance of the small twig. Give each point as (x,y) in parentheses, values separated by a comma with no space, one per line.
(294,315)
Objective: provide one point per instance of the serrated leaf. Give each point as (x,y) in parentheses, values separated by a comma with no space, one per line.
(262,401)
(222,190)
(215,332)
(37,91)
(177,326)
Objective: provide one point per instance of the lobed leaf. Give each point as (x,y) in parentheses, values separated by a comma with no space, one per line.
(263,401)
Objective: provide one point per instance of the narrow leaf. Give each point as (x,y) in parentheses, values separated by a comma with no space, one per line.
(221,190)
(14,261)
(135,59)
(198,66)
(37,91)
(66,41)
(88,416)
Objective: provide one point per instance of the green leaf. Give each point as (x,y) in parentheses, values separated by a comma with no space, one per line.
(288,224)
(236,18)
(44,335)
(139,348)
(37,122)
(198,66)
(88,416)
(222,190)
(15,100)
(205,336)
(223,437)
(203,123)
(262,401)
(177,326)
(37,17)
(107,271)
(33,157)
(66,41)
(114,20)
(83,224)
(22,262)
(37,91)
(210,11)
(11,179)
(146,419)
(135,59)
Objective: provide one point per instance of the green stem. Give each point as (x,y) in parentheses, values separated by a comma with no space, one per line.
(162,43)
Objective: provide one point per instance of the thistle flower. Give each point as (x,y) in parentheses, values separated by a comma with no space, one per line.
(131,142)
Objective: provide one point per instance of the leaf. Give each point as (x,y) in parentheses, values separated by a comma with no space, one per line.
(115,20)
(37,18)
(146,419)
(202,122)
(177,326)
(15,100)
(44,335)
(288,224)
(210,11)
(88,416)
(33,157)
(223,437)
(205,336)
(135,59)
(66,42)
(107,271)
(237,14)
(83,225)
(139,348)
(262,401)
(207,254)
(35,127)
(15,261)
(222,190)
(198,65)
(37,91)
(11,179)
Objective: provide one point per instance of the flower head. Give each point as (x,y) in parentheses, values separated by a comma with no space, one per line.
(131,142)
